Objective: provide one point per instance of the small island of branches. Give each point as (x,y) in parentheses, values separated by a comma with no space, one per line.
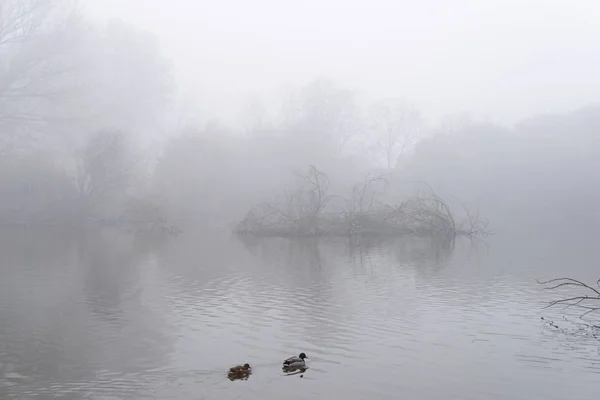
(311,209)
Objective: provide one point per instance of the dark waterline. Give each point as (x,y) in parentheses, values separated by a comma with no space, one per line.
(110,317)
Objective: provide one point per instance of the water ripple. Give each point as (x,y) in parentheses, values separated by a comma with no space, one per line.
(376,320)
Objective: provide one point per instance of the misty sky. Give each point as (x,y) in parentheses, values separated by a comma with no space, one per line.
(502,59)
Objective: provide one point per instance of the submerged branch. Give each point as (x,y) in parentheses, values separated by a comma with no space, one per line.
(587,299)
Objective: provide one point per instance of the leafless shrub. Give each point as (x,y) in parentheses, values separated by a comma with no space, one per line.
(364,195)
(306,210)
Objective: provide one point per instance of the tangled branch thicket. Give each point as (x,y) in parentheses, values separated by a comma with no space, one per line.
(310,209)
(585,298)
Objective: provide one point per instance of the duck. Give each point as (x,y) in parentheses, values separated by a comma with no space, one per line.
(240,369)
(295,361)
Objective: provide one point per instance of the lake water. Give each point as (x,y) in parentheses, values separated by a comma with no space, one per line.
(108,317)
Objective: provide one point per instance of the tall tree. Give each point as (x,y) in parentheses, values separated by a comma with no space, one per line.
(36,37)
(60,75)
(105,169)
(326,115)
(394,127)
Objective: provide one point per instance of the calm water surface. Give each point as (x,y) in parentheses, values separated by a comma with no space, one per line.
(109,317)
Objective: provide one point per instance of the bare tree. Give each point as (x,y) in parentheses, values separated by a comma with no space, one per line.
(327,114)
(35,36)
(59,75)
(104,169)
(394,128)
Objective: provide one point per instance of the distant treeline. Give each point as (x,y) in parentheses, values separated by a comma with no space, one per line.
(79,104)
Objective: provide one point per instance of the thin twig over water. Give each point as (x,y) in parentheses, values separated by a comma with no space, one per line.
(588,301)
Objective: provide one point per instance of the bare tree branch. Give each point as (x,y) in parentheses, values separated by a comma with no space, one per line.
(394,127)
(35,36)
(588,301)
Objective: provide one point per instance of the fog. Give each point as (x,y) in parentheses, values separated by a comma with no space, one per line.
(189,114)
(496,59)
(397,176)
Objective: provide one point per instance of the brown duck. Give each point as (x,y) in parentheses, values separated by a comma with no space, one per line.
(240,369)
(242,372)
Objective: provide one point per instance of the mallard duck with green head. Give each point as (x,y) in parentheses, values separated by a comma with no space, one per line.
(295,362)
